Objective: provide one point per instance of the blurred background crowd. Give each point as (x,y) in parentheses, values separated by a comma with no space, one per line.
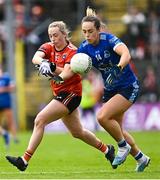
(23,28)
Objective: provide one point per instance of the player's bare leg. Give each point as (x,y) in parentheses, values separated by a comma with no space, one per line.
(142,159)
(3,132)
(106,117)
(6,136)
(11,123)
(73,124)
(47,115)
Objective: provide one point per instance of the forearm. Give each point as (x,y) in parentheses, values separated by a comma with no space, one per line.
(124,60)
(6,89)
(37,59)
(66,73)
(124,54)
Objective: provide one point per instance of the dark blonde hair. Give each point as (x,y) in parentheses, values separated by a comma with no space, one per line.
(62,27)
(90,12)
(92,17)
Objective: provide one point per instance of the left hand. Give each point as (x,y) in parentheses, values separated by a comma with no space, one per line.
(114,74)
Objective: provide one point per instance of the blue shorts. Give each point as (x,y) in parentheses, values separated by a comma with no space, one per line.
(5,104)
(130,93)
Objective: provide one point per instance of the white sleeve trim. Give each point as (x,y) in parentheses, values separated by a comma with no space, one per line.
(118,45)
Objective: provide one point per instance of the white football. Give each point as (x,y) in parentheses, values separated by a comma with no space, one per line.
(81,63)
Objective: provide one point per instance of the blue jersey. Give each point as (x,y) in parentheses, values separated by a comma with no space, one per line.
(104,57)
(5,97)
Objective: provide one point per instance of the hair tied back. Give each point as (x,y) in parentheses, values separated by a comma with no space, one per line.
(90,12)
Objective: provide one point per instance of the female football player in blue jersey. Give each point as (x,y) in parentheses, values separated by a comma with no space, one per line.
(6,88)
(111,57)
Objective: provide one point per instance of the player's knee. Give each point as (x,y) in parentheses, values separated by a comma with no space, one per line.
(39,121)
(101,118)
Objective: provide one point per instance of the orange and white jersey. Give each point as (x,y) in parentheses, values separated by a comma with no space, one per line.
(60,58)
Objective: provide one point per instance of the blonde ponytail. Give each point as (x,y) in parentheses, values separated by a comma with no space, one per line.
(92,17)
(90,12)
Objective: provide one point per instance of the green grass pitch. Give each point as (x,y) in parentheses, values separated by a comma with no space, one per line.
(60,156)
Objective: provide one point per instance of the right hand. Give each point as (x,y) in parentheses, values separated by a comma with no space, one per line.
(46,68)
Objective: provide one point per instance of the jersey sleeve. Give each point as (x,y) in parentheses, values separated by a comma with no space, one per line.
(114,41)
(47,49)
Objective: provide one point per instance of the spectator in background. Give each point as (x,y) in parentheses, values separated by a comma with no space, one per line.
(37,32)
(20,28)
(133,67)
(135,37)
(149,86)
(37,15)
(6,87)
(153,24)
(37,18)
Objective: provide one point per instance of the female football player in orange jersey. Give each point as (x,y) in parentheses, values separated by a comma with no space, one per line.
(54,59)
